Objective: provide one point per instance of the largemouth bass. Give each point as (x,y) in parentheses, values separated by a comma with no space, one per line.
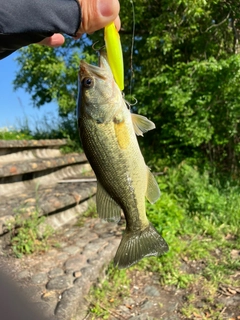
(108,134)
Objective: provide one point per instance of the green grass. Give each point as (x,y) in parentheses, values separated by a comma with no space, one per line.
(14,134)
(90,212)
(27,232)
(208,310)
(106,295)
(26,239)
(199,221)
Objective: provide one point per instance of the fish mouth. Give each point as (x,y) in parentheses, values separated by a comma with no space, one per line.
(87,69)
(100,71)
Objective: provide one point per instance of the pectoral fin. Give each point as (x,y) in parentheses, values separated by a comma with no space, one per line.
(153,191)
(141,124)
(107,208)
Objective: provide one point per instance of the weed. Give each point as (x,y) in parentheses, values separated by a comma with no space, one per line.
(15,134)
(191,216)
(106,295)
(28,238)
(201,304)
(90,212)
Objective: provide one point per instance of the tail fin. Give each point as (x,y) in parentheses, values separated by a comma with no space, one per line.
(137,245)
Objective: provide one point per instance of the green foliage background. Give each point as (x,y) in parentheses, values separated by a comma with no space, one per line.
(186,70)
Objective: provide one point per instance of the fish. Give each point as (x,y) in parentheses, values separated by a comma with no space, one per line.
(108,132)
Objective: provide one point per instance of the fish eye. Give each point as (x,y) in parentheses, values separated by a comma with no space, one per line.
(87,82)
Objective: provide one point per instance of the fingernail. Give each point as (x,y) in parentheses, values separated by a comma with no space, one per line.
(105,8)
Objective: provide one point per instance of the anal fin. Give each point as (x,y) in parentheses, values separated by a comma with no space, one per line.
(107,208)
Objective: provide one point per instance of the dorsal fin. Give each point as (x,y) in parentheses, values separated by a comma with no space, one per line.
(141,124)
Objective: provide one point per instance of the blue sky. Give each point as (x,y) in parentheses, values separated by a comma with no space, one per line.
(15,106)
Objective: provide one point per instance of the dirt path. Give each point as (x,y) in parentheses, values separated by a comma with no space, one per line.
(148,300)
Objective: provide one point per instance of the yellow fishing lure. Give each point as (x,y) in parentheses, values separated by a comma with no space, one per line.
(114,53)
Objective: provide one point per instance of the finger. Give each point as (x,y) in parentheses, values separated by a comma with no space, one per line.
(117,23)
(96,14)
(55,40)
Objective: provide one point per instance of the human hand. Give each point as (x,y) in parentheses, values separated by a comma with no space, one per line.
(96,14)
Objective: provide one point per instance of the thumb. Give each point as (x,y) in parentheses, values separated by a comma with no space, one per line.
(96,14)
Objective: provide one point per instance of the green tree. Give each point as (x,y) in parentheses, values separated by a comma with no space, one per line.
(51,75)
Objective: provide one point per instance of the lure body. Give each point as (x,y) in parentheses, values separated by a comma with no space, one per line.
(114,53)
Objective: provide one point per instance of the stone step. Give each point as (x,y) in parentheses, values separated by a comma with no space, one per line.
(10,146)
(20,168)
(47,200)
(18,184)
(29,155)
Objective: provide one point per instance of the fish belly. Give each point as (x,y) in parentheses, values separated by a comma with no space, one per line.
(119,166)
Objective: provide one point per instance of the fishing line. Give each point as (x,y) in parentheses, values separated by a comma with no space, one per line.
(132,48)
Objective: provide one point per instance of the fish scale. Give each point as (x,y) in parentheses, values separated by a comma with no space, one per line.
(110,162)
